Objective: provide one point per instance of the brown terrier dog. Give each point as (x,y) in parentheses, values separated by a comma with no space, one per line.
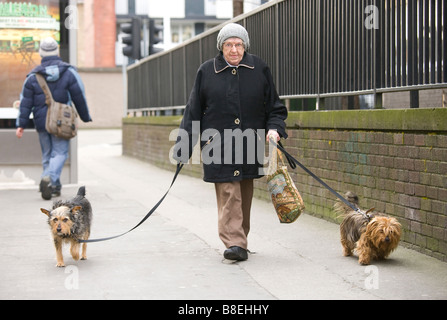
(69,222)
(373,235)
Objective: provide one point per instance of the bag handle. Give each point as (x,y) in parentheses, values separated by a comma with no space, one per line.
(280,156)
(289,159)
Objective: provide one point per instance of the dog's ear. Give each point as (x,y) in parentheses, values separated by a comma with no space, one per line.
(46,212)
(76,209)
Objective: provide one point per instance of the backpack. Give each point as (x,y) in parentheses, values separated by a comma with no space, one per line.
(62,119)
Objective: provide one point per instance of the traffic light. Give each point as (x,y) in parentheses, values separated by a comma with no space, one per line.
(132,39)
(154,36)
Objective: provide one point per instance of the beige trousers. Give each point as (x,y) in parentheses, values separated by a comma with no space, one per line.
(234,204)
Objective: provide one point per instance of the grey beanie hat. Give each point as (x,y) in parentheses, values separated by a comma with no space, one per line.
(233,30)
(48,47)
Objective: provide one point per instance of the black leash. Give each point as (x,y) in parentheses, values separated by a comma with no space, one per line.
(292,161)
(179,168)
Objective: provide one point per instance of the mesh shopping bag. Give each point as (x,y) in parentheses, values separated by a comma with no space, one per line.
(286,199)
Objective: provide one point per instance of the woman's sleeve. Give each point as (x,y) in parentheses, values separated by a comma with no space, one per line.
(189,130)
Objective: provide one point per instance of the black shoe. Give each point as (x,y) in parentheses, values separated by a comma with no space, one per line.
(55,192)
(236,253)
(45,188)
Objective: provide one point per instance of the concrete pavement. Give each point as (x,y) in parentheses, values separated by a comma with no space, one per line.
(177,254)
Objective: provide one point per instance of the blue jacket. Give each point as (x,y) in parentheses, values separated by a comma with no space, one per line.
(65,86)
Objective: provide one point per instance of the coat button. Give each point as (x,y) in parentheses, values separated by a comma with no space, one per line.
(237,121)
(234,72)
(237,173)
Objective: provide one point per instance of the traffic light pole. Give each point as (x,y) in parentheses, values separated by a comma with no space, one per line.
(167,41)
(124,68)
(145,37)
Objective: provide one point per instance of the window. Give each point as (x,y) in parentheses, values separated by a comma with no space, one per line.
(22,26)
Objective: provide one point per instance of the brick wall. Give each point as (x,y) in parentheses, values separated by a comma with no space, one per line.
(97,24)
(105,109)
(395,160)
(147,139)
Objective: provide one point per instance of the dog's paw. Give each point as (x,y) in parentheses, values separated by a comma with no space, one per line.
(364,262)
(60,265)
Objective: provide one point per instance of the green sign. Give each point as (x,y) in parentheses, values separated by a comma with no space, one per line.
(19,9)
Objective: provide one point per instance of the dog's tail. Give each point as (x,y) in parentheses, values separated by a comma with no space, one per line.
(81,191)
(341,208)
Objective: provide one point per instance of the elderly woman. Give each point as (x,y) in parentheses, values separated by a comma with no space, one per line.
(233,99)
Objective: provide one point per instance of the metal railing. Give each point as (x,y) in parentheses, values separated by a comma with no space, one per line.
(316,49)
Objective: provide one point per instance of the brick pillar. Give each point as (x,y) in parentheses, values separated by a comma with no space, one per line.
(104,18)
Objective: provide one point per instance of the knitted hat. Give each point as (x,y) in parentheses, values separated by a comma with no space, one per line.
(48,47)
(233,30)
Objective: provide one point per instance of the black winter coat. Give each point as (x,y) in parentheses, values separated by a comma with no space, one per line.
(233,107)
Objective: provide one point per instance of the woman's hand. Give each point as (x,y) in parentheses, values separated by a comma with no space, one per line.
(273,134)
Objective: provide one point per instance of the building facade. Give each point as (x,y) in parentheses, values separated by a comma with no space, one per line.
(22,25)
(99,34)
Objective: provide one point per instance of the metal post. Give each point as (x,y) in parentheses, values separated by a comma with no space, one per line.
(145,52)
(378,100)
(73,173)
(319,100)
(73,37)
(125,61)
(238,7)
(73,60)
(414,99)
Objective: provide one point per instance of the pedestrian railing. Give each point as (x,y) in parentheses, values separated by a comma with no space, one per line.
(316,49)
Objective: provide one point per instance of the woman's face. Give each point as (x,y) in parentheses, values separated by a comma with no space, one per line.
(233,51)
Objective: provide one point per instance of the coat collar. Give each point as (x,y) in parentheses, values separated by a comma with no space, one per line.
(220,64)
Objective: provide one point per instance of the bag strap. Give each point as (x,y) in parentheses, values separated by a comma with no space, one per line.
(43,84)
(288,157)
(280,157)
(59,116)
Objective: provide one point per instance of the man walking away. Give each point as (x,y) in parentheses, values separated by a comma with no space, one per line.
(66,87)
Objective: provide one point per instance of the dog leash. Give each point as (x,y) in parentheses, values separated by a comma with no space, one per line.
(179,168)
(292,161)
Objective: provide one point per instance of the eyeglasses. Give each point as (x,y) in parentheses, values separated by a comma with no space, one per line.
(229,45)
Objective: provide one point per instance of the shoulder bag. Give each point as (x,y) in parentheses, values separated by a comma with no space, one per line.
(62,119)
